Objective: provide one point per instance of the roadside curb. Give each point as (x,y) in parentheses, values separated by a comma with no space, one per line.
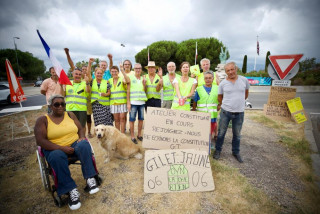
(315,156)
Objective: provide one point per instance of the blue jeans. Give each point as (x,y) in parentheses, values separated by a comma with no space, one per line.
(133,112)
(58,160)
(237,121)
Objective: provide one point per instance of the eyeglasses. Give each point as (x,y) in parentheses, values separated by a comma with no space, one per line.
(137,68)
(127,64)
(63,104)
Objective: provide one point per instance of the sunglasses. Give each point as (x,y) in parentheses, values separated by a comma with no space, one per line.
(63,104)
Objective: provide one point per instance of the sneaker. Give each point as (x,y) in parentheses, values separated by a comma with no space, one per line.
(216,155)
(140,138)
(92,185)
(74,199)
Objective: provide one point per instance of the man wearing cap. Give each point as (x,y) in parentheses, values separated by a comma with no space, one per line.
(153,85)
(168,89)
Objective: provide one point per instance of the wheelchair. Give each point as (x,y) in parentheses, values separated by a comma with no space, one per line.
(48,174)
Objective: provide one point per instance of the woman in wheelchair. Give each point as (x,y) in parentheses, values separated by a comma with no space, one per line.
(61,136)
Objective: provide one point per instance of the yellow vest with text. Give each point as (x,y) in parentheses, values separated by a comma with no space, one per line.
(95,91)
(118,92)
(168,89)
(185,89)
(76,96)
(137,89)
(201,81)
(151,87)
(208,102)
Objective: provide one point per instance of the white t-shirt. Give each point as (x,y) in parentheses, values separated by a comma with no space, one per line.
(234,94)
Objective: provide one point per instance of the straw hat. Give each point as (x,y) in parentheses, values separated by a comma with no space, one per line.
(151,64)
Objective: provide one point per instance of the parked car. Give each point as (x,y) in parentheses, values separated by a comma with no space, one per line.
(37,83)
(5,93)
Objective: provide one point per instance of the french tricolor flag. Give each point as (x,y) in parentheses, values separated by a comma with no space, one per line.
(63,78)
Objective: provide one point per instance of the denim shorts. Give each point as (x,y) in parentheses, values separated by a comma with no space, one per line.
(133,113)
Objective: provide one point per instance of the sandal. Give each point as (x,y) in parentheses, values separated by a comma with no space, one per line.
(140,138)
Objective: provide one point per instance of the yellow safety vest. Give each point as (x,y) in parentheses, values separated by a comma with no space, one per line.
(137,89)
(76,96)
(185,89)
(201,81)
(118,92)
(151,87)
(168,88)
(95,92)
(208,102)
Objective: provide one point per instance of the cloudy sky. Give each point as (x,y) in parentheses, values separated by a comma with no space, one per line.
(98,27)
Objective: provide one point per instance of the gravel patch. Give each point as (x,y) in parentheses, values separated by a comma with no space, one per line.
(266,164)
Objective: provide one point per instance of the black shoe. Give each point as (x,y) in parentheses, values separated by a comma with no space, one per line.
(140,138)
(74,199)
(216,155)
(92,186)
(134,140)
(238,157)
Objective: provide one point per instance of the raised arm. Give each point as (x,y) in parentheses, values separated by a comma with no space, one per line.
(66,50)
(160,84)
(125,76)
(110,60)
(91,60)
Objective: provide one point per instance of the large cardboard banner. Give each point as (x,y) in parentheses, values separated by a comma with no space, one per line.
(178,170)
(175,129)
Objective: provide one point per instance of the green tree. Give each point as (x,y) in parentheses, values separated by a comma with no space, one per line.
(164,51)
(267,61)
(30,67)
(207,48)
(161,52)
(244,64)
(307,64)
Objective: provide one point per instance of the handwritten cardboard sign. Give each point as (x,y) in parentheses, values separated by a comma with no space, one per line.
(296,109)
(175,129)
(277,112)
(186,170)
(279,95)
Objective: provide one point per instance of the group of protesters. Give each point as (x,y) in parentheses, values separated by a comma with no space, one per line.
(109,94)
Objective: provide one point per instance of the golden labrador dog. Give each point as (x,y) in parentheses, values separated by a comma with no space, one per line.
(116,144)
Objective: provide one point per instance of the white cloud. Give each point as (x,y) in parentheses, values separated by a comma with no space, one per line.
(95,28)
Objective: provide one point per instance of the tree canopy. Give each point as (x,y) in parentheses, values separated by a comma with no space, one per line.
(163,52)
(30,66)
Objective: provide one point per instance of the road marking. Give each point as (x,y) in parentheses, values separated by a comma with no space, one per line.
(9,110)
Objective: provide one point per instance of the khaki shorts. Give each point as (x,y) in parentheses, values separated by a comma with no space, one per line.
(166,104)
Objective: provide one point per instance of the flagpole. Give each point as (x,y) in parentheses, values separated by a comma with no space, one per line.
(195,58)
(255,56)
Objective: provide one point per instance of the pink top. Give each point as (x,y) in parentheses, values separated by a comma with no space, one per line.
(51,87)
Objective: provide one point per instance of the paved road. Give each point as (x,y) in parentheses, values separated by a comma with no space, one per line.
(310,101)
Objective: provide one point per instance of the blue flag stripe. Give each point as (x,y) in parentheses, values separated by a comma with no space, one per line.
(45,45)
